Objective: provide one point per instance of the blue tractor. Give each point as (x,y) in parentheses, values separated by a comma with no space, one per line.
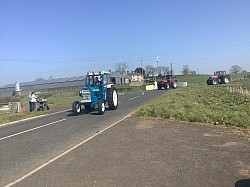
(97,93)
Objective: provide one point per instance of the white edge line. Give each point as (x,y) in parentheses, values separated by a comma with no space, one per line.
(32,129)
(26,119)
(62,154)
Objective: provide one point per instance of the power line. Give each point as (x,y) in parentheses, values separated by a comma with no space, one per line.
(127,57)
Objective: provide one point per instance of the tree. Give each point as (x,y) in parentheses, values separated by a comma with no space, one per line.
(121,67)
(235,69)
(185,70)
(149,70)
(164,70)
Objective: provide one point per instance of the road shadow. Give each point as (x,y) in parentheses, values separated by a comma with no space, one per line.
(94,112)
(70,113)
(243,183)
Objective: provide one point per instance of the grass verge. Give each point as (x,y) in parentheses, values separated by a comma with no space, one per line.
(201,103)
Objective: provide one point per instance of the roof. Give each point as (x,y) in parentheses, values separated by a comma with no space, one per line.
(31,83)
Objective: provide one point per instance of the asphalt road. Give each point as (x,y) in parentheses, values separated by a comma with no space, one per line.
(27,145)
(119,150)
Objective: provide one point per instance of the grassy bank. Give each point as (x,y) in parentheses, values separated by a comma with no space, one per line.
(201,103)
(55,100)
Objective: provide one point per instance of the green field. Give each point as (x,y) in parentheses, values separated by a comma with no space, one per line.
(200,103)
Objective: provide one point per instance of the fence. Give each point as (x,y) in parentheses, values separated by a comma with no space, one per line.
(239,90)
(10,107)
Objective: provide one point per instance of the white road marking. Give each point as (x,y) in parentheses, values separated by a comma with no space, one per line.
(62,154)
(142,93)
(134,98)
(32,129)
(35,117)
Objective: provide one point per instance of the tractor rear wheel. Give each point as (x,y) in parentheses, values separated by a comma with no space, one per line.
(101,107)
(208,82)
(76,107)
(225,80)
(112,98)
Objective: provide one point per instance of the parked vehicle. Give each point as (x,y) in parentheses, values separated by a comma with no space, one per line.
(97,93)
(219,77)
(43,104)
(167,82)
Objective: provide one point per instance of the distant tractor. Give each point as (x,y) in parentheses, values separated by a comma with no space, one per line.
(219,77)
(97,92)
(167,82)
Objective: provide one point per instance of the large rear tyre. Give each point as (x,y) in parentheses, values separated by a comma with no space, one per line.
(226,80)
(76,107)
(112,98)
(101,107)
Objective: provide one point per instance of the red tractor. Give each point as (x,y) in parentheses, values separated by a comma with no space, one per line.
(168,81)
(220,77)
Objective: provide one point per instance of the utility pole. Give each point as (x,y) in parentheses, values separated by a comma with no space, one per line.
(141,71)
(141,67)
(156,63)
(171,68)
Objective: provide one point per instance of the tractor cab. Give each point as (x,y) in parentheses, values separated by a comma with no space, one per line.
(220,73)
(168,77)
(97,79)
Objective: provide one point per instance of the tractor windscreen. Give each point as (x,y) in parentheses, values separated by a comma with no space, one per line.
(168,76)
(93,80)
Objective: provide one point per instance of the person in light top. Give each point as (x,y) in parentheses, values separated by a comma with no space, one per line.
(32,101)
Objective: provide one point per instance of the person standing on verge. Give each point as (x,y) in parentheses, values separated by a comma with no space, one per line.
(32,101)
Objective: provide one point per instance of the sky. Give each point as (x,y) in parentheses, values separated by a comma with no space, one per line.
(64,38)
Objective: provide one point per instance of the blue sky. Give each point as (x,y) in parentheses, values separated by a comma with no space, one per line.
(62,38)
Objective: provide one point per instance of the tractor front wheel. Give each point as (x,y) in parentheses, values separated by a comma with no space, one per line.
(214,82)
(101,107)
(76,107)
(174,85)
(166,86)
